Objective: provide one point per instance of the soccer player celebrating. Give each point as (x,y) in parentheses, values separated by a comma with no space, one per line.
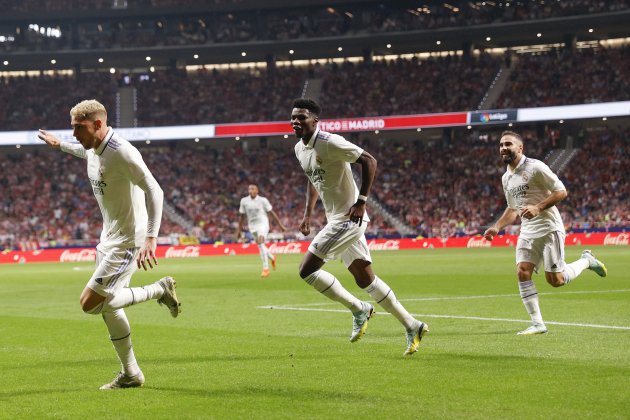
(255,208)
(532,191)
(130,201)
(326,159)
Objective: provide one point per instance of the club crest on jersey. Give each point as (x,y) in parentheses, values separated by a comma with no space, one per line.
(101,172)
(318,159)
(525,176)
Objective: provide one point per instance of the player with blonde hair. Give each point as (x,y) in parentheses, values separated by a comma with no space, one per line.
(130,201)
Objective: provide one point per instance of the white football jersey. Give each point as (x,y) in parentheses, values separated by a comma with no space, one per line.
(326,161)
(114,170)
(256,210)
(530,183)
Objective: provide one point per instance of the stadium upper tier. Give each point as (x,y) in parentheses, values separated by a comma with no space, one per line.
(438,188)
(122,33)
(377,88)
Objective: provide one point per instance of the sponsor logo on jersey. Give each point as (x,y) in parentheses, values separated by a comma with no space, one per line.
(98,186)
(520,191)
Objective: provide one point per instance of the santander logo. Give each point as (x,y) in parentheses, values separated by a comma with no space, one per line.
(78,256)
(289,248)
(186,252)
(388,245)
(620,239)
(478,243)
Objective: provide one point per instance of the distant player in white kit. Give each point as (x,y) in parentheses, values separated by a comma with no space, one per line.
(130,201)
(326,159)
(532,191)
(256,208)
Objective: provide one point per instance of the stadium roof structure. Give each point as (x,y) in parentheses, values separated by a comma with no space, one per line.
(555,30)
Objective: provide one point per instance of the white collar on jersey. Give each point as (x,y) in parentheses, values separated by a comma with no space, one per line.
(110,133)
(520,163)
(311,142)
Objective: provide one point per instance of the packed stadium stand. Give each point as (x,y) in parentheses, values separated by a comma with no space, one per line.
(228,61)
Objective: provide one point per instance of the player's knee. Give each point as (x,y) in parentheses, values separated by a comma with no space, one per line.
(555,279)
(91,309)
(305,271)
(523,274)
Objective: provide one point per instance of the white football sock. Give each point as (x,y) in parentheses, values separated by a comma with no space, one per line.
(120,334)
(529,295)
(329,286)
(571,271)
(263,255)
(384,296)
(128,296)
(269,254)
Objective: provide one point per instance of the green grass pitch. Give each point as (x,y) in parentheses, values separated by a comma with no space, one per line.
(250,348)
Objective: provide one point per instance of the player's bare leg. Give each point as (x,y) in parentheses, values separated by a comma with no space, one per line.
(385,297)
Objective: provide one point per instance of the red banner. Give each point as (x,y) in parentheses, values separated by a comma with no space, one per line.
(195,251)
(345,124)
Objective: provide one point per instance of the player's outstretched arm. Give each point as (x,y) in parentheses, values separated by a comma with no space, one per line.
(507,218)
(50,139)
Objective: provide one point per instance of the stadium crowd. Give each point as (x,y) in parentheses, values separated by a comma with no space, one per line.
(438,188)
(255,23)
(562,77)
(394,87)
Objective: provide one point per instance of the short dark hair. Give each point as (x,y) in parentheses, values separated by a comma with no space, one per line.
(309,104)
(513,134)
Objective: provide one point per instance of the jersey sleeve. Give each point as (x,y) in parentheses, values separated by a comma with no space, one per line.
(267,205)
(342,149)
(140,175)
(75,149)
(241,207)
(548,178)
(134,164)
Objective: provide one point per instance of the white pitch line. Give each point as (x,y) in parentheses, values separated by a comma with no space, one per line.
(437,298)
(474,318)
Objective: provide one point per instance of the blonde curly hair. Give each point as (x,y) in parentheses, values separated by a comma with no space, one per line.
(90,110)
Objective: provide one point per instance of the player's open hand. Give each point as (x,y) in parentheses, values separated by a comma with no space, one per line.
(146,256)
(490,233)
(356,212)
(50,139)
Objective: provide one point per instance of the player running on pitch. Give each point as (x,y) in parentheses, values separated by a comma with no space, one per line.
(326,159)
(130,200)
(255,208)
(532,191)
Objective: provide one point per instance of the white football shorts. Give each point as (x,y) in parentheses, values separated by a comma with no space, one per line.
(114,269)
(345,240)
(549,249)
(259,230)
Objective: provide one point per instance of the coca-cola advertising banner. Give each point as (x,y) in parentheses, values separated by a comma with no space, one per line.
(194,251)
